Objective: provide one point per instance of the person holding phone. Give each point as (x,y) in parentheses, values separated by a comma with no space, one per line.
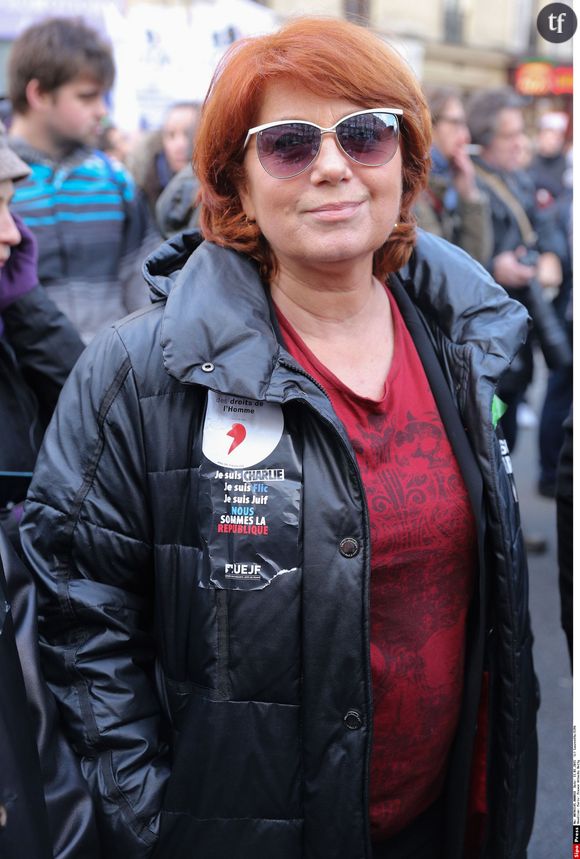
(453,205)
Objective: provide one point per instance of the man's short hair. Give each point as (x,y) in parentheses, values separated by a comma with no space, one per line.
(54,52)
(438,97)
(483,108)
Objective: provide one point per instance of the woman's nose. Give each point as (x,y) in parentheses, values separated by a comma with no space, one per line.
(332,163)
(9,232)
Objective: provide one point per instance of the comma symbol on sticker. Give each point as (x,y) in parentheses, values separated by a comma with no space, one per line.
(238,433)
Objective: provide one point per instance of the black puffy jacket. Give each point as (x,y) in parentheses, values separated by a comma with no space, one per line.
(215,676)
(38,349)
(45,807)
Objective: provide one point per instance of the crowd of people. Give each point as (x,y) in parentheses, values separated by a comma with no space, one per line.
(269,572)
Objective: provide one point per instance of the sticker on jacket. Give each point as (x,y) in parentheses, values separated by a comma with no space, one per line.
(507,464)
(239,433)
(250,494)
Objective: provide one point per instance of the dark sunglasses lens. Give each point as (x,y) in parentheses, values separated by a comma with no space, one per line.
(369,138)
(286,150)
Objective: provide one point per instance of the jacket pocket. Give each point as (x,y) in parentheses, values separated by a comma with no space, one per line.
(186,617)
(185,837)
(237,759)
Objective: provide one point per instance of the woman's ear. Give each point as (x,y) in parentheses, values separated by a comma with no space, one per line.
(247,202)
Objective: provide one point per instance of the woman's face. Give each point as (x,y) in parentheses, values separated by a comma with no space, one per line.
(9,233)
(336,211)
(450,132)
(177,135)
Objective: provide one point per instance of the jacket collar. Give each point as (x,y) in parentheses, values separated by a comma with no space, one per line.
(217,311)
(460,298)
(216,315)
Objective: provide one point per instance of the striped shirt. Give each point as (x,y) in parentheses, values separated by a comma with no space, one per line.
(93,231)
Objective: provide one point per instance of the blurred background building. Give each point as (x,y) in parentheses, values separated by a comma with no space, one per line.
(167,50)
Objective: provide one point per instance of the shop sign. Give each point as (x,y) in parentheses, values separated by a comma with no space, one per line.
(538,78)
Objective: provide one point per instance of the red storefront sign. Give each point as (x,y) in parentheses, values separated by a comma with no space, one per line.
(540,78)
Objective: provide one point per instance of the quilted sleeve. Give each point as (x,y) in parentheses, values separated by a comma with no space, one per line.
(86,534)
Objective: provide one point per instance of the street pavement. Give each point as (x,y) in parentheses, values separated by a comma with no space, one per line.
(552,835)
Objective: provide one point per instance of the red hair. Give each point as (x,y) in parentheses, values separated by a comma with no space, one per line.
(332,58)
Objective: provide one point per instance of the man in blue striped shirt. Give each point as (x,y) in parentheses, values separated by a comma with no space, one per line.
(92,225)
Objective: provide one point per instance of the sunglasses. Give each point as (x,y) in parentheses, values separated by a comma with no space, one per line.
(287,148)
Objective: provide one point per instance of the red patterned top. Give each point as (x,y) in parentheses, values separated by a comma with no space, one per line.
(423,551)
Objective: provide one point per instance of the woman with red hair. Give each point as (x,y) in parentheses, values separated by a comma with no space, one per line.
(282,584)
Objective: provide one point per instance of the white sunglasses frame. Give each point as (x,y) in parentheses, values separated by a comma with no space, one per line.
(396,111)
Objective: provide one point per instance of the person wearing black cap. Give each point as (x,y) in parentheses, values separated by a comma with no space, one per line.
(45,809)
(38,348)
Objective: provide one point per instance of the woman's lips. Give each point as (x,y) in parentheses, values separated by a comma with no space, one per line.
(335,211)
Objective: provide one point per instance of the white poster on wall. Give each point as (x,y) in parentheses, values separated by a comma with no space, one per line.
(168,54)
